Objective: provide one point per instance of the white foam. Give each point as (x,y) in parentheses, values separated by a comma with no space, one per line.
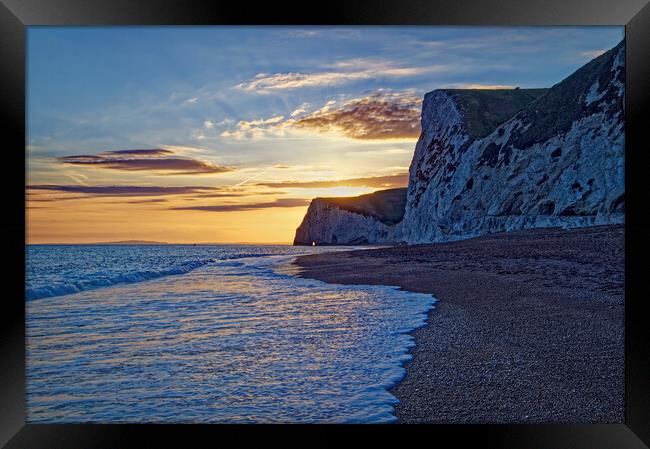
(235,341)
(66,288)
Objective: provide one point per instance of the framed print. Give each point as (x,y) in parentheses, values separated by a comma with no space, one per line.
(399,214)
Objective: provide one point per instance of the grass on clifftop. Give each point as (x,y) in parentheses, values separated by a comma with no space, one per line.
(485,109)
(385,205)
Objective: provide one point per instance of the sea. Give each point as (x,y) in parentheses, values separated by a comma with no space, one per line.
(208,334)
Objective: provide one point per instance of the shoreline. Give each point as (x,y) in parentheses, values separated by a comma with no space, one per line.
(528,326)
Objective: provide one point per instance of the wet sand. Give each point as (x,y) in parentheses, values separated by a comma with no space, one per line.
(529,326)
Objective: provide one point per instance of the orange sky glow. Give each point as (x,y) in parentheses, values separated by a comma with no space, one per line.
(225,134)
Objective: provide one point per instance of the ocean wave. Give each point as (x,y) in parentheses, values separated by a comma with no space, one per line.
(245,255)
(314,352)
(67,288)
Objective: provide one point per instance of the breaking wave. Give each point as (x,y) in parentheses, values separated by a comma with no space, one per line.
(66,288)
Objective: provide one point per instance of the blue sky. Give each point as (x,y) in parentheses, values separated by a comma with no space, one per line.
(248,105)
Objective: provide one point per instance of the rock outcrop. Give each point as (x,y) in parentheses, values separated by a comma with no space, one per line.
(559,161)
(494,161)
(369,218)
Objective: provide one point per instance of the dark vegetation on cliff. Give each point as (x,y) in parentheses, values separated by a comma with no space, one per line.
(386,206)
(555,112)
(485,109)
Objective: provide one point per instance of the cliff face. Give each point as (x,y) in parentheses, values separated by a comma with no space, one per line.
(557,162)
(451,121)
(493,161)
(363,219)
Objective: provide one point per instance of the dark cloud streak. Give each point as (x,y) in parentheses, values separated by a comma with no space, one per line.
(284,202)
(147,152)
(236,194)
(154,160)
(396,180)
(118,191)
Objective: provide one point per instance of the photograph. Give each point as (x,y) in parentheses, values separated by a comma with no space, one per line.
(325,224)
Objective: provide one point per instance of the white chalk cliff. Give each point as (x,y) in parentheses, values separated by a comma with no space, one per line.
(493,161)
(358,220)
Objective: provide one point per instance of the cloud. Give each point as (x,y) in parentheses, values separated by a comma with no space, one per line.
(250,178)
(51,199)
(379,152)
(184,149)
(377,116)
(485,42)
(381,115)
(152,200)
(304,33)
(207,124)
(118,191)
(268,121)
(253,128)
(300,109)
(147,152)
(283,202)
(162,161)
(234,194)
(79,178)
(330,33)
(264,82)
(395,180)
(45,193)
(591,54)
(344,72)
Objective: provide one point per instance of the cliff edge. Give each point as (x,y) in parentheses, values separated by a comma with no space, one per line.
(369,218)
(498,160)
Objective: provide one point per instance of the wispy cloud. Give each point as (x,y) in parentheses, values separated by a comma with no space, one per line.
(395,180)
(145,194)
(255,128)
(79,178)
(592,53)
(145,152)
(269,121)
(300,110)
(339,73)
(336,33)
(235,194)
(283,202)
(503,39)
(250,178)
(184,150)
(53,198)
(304,33)
(146,201)
(119,190)
(162,161)
(379,152)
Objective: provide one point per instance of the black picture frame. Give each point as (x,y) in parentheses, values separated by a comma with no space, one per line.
(16,15)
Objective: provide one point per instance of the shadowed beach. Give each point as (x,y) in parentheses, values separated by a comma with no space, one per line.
(529,326)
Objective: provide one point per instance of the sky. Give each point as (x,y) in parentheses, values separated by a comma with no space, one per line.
(224,134)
